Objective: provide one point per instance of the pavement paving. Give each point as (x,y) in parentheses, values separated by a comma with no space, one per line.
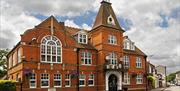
(172,88)
(158,89)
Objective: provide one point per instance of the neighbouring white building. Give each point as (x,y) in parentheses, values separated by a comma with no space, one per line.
(161,72)
(177,79)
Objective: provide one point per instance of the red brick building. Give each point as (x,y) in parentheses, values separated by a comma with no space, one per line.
(54,57)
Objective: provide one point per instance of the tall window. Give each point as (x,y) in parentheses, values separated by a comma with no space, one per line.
(126,62)
(112,39)
(67,80)
(81,80)
(112,58)
(127,78)
(51,50)
(57,80)
(44,80)
(19,55)
(86,58)
(91,80)
(32,81)
(13,59)
(10,62)
(138,62)
(82,38)
(139,79)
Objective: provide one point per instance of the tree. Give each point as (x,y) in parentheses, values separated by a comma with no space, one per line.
(3,62)
(171,77)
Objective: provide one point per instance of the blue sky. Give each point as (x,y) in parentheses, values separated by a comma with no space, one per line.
(154,25)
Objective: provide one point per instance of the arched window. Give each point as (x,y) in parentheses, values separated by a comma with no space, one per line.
(112,58)
(51,50)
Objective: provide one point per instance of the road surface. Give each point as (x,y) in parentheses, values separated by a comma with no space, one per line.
(173,88)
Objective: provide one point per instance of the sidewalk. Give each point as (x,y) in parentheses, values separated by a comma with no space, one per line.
(158,89)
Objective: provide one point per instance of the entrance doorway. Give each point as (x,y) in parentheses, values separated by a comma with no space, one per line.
(112,82)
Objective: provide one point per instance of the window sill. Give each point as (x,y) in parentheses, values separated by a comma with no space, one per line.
(57,86)
(82,85)
(91,85)
(68,86)
(44,86)
(32,87)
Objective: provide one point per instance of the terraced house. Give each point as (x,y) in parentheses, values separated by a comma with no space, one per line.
(55,57)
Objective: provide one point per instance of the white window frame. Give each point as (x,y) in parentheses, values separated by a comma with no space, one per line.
(126,62)
(91,78)
(112,58)
(51,50)
(19,55)
(139,79)
(138,62)
(82,38)
(86,58)
(32,78)
(127,45)
(57,77)
(82,77)
(45,78)
(67,79)
(127,78)
(132,46)
(112,39)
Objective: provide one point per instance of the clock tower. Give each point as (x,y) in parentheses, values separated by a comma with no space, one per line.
(107,37)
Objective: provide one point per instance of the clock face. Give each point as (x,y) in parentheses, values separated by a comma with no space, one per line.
(110,20)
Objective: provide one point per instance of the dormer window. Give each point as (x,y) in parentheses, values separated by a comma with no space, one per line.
(82,38)
(128,44)
(112,39)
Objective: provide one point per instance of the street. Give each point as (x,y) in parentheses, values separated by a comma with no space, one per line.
(173,88)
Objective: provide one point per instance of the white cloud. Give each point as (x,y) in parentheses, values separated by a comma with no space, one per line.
(162,43)
(69,8)
(13,23)
(71,23)
(85,26)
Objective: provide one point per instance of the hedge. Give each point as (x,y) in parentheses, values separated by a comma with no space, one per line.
(7,85)
(152,79)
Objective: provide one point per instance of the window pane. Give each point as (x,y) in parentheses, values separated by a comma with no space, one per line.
(48,58)
(42,57)
(54,50)
(48,49)
(53,58)
(58,59)
(44,83)
(57,83)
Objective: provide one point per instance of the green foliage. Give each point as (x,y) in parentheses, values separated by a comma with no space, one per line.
(152,79)
(3,62)
(7,85)
(171,77)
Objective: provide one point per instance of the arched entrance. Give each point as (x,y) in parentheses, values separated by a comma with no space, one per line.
(112,83)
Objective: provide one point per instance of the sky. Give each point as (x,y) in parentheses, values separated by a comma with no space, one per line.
(154,25)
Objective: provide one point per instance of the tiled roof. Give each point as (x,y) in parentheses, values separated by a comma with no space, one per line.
(136,51)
